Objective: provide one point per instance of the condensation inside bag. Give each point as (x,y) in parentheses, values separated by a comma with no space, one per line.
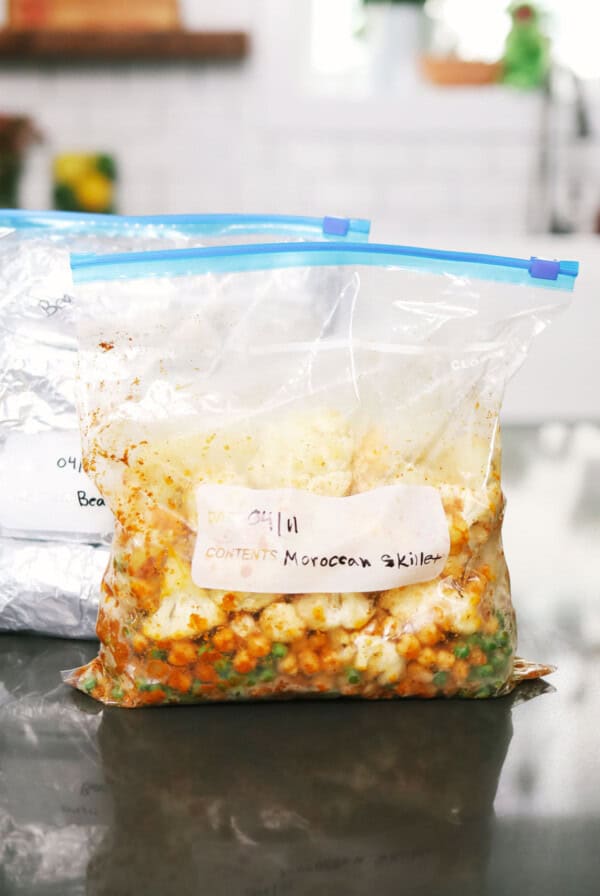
(205,395)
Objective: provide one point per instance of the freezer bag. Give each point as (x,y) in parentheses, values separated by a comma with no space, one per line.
(46,498)
(300,446)
(84,232)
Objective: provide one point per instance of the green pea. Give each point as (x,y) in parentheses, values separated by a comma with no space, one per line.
(117,692)
(157,654)
(266,675)
(439,679)
(223,669)
(279,650)
(250,681)
(488,644)
(89,685)
(485,671)
(462,651)
(484,692)
(503,638)
(149,686)
(353,676)
(202,649)
(498,660)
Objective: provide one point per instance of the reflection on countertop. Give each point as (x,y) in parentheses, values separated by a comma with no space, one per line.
(340,797)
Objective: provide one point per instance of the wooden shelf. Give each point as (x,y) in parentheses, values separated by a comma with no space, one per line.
(112,46)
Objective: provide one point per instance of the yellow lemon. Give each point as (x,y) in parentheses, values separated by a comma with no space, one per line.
(94,192)
(70,167)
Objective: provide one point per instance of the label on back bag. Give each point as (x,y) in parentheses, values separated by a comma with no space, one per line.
(291,541)
(43,487)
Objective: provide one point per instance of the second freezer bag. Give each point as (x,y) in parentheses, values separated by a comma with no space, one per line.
(300,445)
(52,519)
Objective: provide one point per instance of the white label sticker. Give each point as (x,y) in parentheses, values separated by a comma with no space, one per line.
(290,541)
(43,487)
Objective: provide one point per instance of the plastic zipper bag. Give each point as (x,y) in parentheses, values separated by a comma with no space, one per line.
(301,448)
(84,232)
(47,500)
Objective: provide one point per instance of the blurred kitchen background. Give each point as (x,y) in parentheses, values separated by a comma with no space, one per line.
(471,124)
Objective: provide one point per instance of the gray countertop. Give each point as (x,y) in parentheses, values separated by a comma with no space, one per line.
(467,797)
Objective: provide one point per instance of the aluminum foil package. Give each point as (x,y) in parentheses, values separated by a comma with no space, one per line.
(53,520)
(50,586)
(300,444)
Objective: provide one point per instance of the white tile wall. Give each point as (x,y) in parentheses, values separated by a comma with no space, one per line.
(244,137)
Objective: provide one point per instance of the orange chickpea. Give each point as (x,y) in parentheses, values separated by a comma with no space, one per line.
(121,654)
(445,659)
(408,646)
(417,673)
(427,657)
(224,640)
(429,635)
(244,662)
(406,688)
(477,657)
(144,591)
(258,645)
(102,626)
(318,640)
(490,626)
(151,697)
(330,661)
(182,653)
(426,690)
(180,680)
(205,672)
(139,643)
(450,688)
(289,665)
(460,671)
(198,623)
(308,662)
(158,669)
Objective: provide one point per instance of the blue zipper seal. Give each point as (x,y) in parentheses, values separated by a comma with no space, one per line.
(210,224)
(268,256)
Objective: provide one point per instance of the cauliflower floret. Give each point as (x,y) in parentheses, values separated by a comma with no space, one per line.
(472,516)
(280,622)
(243,625)
(312,452)
(466,621)
(344,645)
(184,616)
(415,605)
(245,601)
(329,611)
(185,609)
(379,658)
